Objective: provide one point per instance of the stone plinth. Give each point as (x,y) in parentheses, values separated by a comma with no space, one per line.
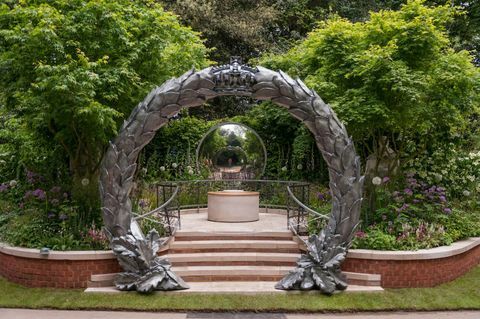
(233,206)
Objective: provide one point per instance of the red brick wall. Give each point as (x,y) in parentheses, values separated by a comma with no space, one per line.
(395,273)
(416,273)
(53,273)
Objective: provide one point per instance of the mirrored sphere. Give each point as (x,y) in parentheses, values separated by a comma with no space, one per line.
(232,151)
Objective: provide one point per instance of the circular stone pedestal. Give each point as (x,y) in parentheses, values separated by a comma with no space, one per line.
(233,206)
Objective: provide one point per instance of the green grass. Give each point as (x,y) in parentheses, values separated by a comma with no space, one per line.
(463,293)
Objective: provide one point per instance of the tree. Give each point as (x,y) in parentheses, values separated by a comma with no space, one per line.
(72,69)
(391,79)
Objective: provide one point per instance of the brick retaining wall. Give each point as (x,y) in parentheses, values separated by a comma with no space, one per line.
(423,268)
(416,272)
(63,270)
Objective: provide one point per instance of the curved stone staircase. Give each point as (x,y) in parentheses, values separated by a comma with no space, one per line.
(234,261)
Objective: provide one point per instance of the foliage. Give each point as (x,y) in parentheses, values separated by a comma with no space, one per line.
(35,217)
(416,215)
(72,69)
(394,76)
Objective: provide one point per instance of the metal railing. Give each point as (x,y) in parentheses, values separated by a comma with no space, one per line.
(172,197)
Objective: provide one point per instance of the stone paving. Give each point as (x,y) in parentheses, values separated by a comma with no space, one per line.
(62,314)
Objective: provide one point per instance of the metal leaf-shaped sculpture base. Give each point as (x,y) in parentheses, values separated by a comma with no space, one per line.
(144,270)
(320,267)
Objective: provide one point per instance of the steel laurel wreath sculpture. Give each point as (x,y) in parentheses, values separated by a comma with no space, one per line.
(320,267)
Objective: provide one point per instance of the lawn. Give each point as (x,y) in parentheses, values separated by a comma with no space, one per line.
(463,293)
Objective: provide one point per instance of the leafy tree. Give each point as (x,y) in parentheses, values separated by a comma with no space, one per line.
(392,78)
(72,69)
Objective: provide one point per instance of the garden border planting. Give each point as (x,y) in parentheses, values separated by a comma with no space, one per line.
(398,269)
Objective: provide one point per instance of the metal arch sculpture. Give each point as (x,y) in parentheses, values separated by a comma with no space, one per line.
(320,267)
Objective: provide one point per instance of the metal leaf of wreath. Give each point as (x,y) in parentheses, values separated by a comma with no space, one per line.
(319,268)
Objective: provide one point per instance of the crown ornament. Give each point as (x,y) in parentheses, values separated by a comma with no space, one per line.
(234,78)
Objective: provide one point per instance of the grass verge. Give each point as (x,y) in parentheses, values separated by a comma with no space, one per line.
(461,294)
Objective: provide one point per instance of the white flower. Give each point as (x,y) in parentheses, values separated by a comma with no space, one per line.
(376,181)
(190,171)
(174,165)
(162,168)
(3,162)
(144,170)
(471,178)
(13,183)
(299,167)
(188,167)
(438,177)
(284,169)
(85,181)
(466,193)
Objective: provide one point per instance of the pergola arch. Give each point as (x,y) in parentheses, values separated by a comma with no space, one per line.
(194,89)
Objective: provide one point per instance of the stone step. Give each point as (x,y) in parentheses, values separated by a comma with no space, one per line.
(233,258)
(235,287)
(281,246)
(239,273)
(225,235)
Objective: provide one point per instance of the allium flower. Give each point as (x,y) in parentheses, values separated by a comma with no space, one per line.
(162,168)
(85,181)
(376,181)
(174,165)
(56,189)
(13,183)
(466,193)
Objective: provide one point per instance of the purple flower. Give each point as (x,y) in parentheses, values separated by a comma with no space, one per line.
(408,191)
(51,215)
(65,195)
(39,193)
(384,217)
(63,217)
(404,207)
(142,203)
(386,179)
(21,205)
(360,234)
(447,210)
(443,199)
(416,201)
(320,196)
(3,187)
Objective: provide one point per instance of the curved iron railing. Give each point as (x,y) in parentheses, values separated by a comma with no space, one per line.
(291,196)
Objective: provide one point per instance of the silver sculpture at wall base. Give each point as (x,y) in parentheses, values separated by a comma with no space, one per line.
(144,271)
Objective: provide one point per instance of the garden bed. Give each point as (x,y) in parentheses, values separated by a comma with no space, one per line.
(73,269)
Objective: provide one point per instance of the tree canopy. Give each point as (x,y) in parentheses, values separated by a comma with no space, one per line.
(72,69)
(395,75)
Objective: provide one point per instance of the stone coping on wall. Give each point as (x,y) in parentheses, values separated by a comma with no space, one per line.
(56,255)
(455,248)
